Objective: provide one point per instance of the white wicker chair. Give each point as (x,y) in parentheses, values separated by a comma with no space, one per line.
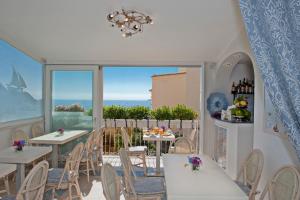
(250,173)
(136,151)
(34,184)
(284,185)
(182,145)
(67,177)
(98,147)
(18,134)
(36,130)
(140,187)
(88,156)
(111,182)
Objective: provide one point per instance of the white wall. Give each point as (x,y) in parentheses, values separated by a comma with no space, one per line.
(277,151)
(7,130)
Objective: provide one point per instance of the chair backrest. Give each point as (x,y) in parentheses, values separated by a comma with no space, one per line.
(34,184)
(98,144)
(128,171)
(110,182)
(20,135)
(284,185)
(73,163)
(90,143)
(192,135)
(36,130)
(125,138)
(251,170)
(182,146)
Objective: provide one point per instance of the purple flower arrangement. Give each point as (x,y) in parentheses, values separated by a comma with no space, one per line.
(19,144)
(61,131)
(195,162)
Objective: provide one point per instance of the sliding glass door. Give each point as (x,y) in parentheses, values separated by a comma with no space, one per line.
(73,97)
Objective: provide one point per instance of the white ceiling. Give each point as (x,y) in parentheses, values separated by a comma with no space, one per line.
(76,31)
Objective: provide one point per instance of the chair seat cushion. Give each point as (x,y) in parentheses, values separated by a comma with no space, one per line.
(137,148)
(139,171)
(9,197)
(54,175)
(149,185)
(243,187)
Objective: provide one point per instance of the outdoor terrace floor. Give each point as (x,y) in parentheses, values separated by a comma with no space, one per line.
(93,190)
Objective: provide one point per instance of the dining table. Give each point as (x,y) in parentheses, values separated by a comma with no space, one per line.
(208,183)
(168,136)
(21,158)
(55,139)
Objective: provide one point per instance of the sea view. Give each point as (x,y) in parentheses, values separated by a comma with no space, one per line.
(87,104)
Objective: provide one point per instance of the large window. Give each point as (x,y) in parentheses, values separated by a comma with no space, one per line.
(21,85)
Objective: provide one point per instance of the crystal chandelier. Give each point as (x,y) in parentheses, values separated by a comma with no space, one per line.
(130,22)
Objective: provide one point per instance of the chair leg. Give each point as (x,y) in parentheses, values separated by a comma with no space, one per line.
(6,183)
(70,191)
(78,192)
(92,165)
(87,170)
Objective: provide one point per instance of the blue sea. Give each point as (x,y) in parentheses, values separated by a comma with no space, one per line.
(87,104)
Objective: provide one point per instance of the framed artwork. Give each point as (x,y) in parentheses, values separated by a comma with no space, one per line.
(272,123)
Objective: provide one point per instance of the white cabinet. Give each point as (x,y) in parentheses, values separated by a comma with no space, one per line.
(233,143)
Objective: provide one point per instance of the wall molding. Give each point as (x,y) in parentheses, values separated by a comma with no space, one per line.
(13,124)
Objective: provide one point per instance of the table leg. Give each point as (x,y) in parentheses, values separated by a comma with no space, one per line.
(20,175)
(157,156)
(54,155)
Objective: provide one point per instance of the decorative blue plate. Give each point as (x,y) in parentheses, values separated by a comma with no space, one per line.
(216,102)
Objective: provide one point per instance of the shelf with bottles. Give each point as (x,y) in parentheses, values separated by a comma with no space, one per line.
(243,87)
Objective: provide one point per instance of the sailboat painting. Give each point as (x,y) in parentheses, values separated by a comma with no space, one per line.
(16,102)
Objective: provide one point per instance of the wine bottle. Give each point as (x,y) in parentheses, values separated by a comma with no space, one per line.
(233,88)
(246,87)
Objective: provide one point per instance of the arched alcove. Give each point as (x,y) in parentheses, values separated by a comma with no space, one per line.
(235,67)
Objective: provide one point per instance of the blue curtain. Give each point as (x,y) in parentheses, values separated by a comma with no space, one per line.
(273,28)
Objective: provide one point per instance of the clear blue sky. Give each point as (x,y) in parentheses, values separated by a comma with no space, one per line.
(120,83)
(131,83)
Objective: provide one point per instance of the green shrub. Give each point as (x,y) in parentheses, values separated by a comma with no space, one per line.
(70,108)
(182,112)
(115,112)
(138,112)
(89,112)
(162,113)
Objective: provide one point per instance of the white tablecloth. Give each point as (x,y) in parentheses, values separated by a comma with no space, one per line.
(209,183)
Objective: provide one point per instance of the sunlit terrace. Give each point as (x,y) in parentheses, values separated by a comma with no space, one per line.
(135,99)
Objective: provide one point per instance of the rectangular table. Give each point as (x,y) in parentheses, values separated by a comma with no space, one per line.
(21,158)
(56,139)
(158,139)
(209,183)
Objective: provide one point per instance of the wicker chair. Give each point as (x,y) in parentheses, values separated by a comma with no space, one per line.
(191,137)
(66,178)
(111,182)
(250,173)
(36,130)
(88,156)
(284,185)
(98,147)
(34,184)
(140,187)
(137,151)
(20,135)
(182,145)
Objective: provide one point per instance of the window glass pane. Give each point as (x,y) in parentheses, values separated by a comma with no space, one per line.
(21,83)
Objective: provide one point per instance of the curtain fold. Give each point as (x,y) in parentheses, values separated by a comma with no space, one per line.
(273,28)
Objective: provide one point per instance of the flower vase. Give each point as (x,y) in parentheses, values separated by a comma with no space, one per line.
(19,148)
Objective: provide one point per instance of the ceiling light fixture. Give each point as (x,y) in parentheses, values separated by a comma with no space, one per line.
(130,22)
